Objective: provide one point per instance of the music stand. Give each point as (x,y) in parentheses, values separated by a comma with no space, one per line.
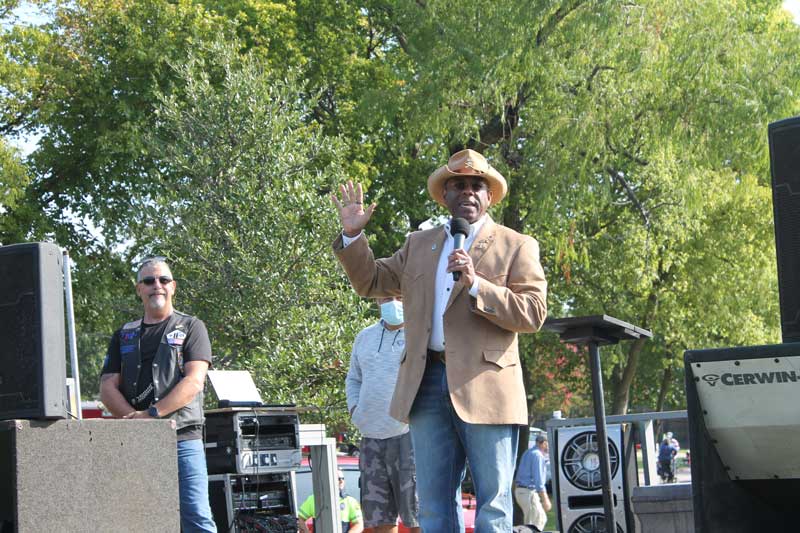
(594,331)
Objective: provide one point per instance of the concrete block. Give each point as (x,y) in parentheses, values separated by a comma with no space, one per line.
(664,508)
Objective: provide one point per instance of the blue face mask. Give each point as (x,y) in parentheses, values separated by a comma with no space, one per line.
(392,312)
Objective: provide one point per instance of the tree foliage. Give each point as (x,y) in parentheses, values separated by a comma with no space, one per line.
(634,162)
(88,80)
(244,214)
(633,136)
(14,176)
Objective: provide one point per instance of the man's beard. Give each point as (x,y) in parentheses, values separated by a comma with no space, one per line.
(157,302)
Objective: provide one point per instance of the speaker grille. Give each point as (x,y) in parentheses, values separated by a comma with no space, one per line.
(591,523)
(580,461)
(19,383)
(784,148)
(19,321)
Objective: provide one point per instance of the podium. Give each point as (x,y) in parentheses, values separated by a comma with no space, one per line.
(595,331)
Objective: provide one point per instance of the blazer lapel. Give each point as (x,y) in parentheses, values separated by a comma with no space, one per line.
(482,242)
(433,247)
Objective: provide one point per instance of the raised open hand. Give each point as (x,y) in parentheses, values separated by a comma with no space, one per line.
(352,214)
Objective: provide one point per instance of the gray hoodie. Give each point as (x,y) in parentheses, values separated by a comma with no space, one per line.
(371,379)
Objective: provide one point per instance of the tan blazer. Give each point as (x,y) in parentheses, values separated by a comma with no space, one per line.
(483,369)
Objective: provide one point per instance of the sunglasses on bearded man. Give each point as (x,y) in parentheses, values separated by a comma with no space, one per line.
(150,280)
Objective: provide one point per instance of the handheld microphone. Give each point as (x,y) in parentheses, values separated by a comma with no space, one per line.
(459,229)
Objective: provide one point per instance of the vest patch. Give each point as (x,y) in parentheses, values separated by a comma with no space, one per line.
(175,337)
(128,335)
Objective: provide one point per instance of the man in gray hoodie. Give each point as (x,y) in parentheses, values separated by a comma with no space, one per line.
(388,474)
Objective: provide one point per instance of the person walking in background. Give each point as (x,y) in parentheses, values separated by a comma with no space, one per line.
(460,381)
(666,460)
(386,459)
(530,491)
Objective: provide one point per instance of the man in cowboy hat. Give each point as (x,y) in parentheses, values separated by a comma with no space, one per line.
(460,381)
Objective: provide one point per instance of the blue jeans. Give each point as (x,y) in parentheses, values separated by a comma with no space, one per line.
(442,443)
(193,487)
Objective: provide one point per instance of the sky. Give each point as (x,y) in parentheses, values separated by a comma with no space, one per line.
(793,7)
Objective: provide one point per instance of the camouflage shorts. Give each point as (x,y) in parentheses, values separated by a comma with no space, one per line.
(388,481)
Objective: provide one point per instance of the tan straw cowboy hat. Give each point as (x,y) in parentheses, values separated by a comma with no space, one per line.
(467,163)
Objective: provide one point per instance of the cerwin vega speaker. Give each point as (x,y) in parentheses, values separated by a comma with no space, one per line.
(784,151)
(579,491)
(32,341)
(743,428)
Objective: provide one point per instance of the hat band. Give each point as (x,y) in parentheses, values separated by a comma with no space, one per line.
(464,171)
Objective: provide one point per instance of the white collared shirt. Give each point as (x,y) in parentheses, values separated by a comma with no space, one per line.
(444,281)
(444,284)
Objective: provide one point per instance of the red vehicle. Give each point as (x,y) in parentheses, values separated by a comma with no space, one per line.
(94,409)
(349,466)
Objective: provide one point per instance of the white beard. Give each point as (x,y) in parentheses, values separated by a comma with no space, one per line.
(157,302)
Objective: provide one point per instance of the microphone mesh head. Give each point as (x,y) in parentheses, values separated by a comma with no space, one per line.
(459,225)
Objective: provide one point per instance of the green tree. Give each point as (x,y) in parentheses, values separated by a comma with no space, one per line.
(14,177)
(86,81)
(631,134)
(246,221)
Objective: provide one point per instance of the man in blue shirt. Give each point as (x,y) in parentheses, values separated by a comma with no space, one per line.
(529,491)
(666,455)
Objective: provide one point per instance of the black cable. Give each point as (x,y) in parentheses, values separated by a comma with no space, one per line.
(234,508)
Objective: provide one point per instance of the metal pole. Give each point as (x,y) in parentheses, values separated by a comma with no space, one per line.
(602,438)
(326,487)
(73,345)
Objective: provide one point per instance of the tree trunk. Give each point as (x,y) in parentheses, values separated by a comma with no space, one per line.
(666,378)
(622,389)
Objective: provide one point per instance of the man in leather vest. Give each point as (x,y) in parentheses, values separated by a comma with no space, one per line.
(156,368)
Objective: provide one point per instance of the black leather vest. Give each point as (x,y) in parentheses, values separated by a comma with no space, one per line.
(167,366)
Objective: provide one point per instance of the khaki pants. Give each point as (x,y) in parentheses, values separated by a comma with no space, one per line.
(531,504)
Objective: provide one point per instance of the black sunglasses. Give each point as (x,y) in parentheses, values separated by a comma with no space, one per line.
(150,280)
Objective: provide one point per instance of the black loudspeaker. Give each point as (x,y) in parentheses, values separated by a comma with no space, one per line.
(32,341)
(743,429)
(784,152)
(88,475)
